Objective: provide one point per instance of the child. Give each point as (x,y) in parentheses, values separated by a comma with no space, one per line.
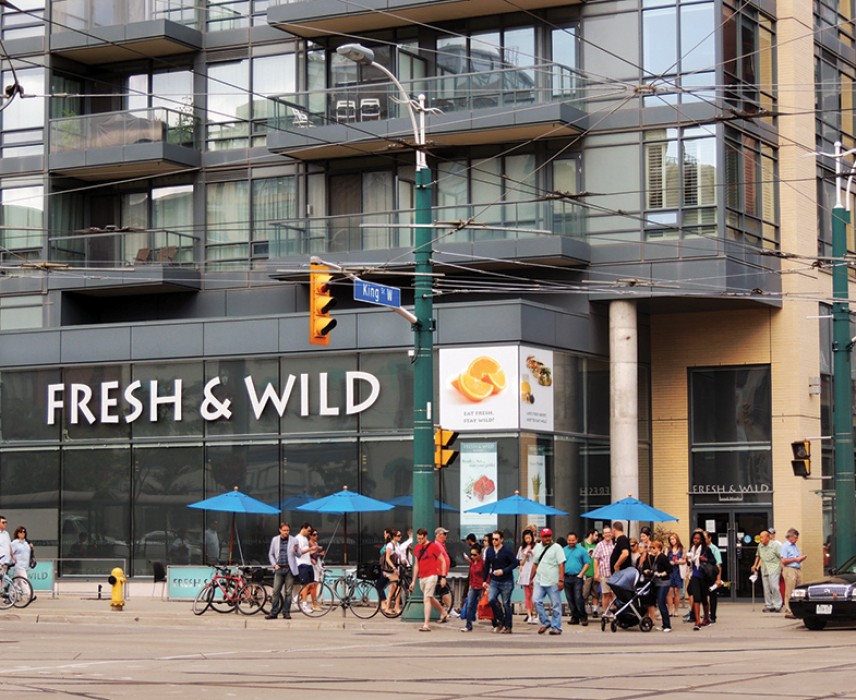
(476,581)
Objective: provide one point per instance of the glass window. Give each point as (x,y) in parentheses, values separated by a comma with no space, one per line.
(22,210)
(23,405)
(96,515)
(82,412)
(30,495)
(232,373)
(166,531)
(317,403)
(24,20)
(166,375)
(23,119)
(393,409)
(229,104)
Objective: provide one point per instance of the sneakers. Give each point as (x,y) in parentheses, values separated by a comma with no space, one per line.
(498,629)
(305,607)
(453,613)
(466,629)
(665,629)
(532,621)
(696,628)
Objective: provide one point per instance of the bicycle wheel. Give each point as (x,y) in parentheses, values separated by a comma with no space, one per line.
(24,591)
(252,599)
(325,600)
(203,599)
(224,598)
(364,601)
(9,594)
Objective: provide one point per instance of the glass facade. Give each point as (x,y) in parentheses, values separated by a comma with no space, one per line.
(118,451)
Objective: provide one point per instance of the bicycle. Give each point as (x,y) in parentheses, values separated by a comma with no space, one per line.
(9,591)
(399,588)
(229,590)
(24,590)
(350,591)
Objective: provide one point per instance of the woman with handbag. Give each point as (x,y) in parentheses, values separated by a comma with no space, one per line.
(23,552)
(701,559)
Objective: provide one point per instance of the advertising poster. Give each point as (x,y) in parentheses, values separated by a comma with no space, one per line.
(536,389)
(478,486)
(478,388)
(536,483)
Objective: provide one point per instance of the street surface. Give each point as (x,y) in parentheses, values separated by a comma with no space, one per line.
(77,648)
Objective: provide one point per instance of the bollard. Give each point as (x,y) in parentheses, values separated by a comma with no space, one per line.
(117,579)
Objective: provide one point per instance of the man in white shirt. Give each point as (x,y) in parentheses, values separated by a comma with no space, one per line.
(305,571)
(549,579)
(6,558)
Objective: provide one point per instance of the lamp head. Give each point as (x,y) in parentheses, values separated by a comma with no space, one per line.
(356,53)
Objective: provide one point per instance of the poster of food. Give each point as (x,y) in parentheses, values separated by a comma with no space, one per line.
(478,388)
(536,389)
(478,486)
(536,485)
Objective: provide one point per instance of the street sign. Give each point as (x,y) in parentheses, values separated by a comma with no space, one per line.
(381,294)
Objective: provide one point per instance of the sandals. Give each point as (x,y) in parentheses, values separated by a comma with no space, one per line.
(424,629)
(445,618)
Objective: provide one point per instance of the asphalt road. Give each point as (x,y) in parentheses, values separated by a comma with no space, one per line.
(79,648)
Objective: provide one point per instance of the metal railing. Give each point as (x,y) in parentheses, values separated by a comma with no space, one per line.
(516,88)
(388,230)
(123,247)
(75,15)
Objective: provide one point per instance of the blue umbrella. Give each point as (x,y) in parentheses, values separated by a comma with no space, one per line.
(517,505)
(234,502)
(629,509)
(345,502)
(407,502)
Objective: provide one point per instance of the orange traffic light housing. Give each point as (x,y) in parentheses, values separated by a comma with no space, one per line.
(320,303)
(801,463)
(443,456)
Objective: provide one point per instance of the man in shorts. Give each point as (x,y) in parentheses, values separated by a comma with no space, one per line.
(603,570)
(305,571)
(429,568)
(444,592)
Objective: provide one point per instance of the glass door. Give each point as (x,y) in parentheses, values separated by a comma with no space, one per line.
(735,533)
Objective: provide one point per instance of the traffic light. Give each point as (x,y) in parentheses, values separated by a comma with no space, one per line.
(801,462)
(443,456)
(320,303)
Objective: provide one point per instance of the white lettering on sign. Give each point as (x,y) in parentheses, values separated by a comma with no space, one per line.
(163,402)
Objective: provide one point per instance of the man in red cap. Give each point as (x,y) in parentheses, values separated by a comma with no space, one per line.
(548,575)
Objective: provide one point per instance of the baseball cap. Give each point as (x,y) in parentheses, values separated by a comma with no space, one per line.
(440,531)
(546,532)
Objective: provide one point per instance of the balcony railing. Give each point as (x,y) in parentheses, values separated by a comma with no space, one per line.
(107,129)
(74,15)
(514,88)
(394,229)
(111,247)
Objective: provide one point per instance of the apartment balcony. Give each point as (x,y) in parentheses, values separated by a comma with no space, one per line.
(111,145)
(501,106)
(317,18)
(107,31)
(124,261)
(494,235)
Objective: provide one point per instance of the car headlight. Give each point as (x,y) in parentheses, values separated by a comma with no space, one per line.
(799,593)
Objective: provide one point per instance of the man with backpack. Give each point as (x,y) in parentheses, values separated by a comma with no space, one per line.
(548,576)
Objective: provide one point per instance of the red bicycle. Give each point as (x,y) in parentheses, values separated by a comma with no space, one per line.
(230,590)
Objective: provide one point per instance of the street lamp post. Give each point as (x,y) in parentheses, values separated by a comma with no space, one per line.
(842,408)
(423,329)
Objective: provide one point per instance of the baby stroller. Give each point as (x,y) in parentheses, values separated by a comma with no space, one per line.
(629,587)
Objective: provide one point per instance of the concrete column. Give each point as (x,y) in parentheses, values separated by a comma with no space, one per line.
(623,400)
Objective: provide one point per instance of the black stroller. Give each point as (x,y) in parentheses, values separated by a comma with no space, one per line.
(629,587)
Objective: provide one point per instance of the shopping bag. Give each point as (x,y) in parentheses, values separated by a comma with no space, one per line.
(485,612)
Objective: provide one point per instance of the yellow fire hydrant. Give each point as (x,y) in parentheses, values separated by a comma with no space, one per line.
(117,580)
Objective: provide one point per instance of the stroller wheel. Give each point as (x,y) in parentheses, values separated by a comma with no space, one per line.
(613,627)
(646,624)
(603,624)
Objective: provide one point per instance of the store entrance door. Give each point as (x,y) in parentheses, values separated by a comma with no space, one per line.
(734,532)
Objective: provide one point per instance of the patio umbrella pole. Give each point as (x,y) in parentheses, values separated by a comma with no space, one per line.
(231,538)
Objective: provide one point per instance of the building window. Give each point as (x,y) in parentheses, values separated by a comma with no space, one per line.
(22,210)
(835,16)
(241,218)
(172,90)
(23,21)
(24,119)
(731,434)
(678,47)
(680,183)
(748,58)
(238,104)
(751,204)
(235,14)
